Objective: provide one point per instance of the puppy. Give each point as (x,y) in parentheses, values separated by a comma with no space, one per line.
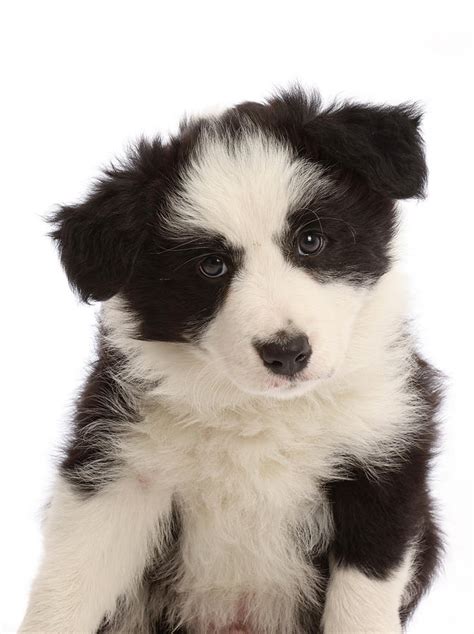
(251,449)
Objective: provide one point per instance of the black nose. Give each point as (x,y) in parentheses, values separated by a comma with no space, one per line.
(286,357)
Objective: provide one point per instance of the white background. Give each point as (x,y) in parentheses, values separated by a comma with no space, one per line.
(81,79)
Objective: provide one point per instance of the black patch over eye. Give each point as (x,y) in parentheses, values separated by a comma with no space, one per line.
(178,285)
(213,266)
(310,242)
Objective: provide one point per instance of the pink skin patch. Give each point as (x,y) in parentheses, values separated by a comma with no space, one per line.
(237,627)
(233,629)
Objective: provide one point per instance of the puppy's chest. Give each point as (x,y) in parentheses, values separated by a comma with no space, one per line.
(229,477)
(251,512)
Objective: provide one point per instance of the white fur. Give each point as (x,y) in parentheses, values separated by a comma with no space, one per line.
(241,450)
(95,550)
(358,604)
(242,189)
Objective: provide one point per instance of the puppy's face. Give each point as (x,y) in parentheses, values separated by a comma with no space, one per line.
(272,262)
(251,240)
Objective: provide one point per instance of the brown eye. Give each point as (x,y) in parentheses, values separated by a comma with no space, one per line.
(310,242)
(213,266)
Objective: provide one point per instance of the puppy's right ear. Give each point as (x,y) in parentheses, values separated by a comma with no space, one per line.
(100,239)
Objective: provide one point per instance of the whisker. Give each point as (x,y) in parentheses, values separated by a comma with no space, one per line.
(351,228)
(196,257)
(179,247)
(310,221)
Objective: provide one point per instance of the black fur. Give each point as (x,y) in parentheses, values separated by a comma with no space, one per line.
(377,513)
(101,411)
(172,299)
(381,144)
(357,225)
(100,239)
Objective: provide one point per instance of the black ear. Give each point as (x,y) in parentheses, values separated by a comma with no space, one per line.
(100,239)
(382,145)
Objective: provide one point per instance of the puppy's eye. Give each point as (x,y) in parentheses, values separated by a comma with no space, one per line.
(212,266)
(310,242)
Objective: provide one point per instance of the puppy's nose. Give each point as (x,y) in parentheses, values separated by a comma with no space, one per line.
(286,357)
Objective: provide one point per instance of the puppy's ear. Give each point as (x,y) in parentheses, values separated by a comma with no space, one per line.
(100,239)
(382,145)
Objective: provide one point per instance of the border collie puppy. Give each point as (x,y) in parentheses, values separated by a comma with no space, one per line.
(251,449)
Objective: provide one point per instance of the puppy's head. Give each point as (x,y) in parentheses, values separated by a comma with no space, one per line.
(250,241)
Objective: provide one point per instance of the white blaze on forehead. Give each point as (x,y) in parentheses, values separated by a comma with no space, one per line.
(243,189)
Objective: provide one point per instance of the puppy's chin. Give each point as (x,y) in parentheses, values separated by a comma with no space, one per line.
(281,389)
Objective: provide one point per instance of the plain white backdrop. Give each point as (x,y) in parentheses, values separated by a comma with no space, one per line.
(79,80)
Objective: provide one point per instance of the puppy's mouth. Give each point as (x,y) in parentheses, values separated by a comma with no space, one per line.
(288,382)
(298,384)
(288,387)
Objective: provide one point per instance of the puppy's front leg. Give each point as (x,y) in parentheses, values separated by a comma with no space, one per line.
(95,549)
(359,604)
(377,516)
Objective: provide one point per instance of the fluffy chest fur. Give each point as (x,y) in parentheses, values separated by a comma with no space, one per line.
(251,512)
(249,487)
(248,528)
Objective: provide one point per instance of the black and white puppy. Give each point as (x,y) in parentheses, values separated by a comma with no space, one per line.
(250,451)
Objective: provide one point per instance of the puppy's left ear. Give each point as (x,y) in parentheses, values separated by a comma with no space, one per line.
(382,145)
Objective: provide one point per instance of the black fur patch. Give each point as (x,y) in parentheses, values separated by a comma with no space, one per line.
(100,413)
(310,617)
(381,144)
(171,298)
(378,515)
(357,225)
(101,239)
